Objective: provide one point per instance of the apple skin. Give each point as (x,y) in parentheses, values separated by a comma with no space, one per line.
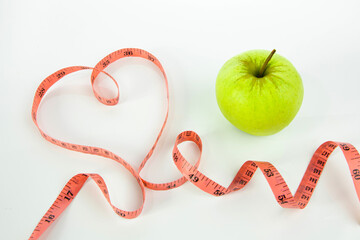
(259,105)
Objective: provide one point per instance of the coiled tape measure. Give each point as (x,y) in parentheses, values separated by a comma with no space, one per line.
(190,172)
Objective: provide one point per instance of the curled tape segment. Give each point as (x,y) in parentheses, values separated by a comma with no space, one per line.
(190,172)
(276,182)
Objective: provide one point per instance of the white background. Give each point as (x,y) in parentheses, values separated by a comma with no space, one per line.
(192,39)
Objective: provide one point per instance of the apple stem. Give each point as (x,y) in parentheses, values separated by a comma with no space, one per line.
(263,68)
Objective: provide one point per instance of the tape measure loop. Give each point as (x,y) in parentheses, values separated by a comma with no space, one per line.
(104,100)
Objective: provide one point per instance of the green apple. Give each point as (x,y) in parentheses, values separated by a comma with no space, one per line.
(259,92)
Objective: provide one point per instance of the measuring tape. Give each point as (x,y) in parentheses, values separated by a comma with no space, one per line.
(189,171)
